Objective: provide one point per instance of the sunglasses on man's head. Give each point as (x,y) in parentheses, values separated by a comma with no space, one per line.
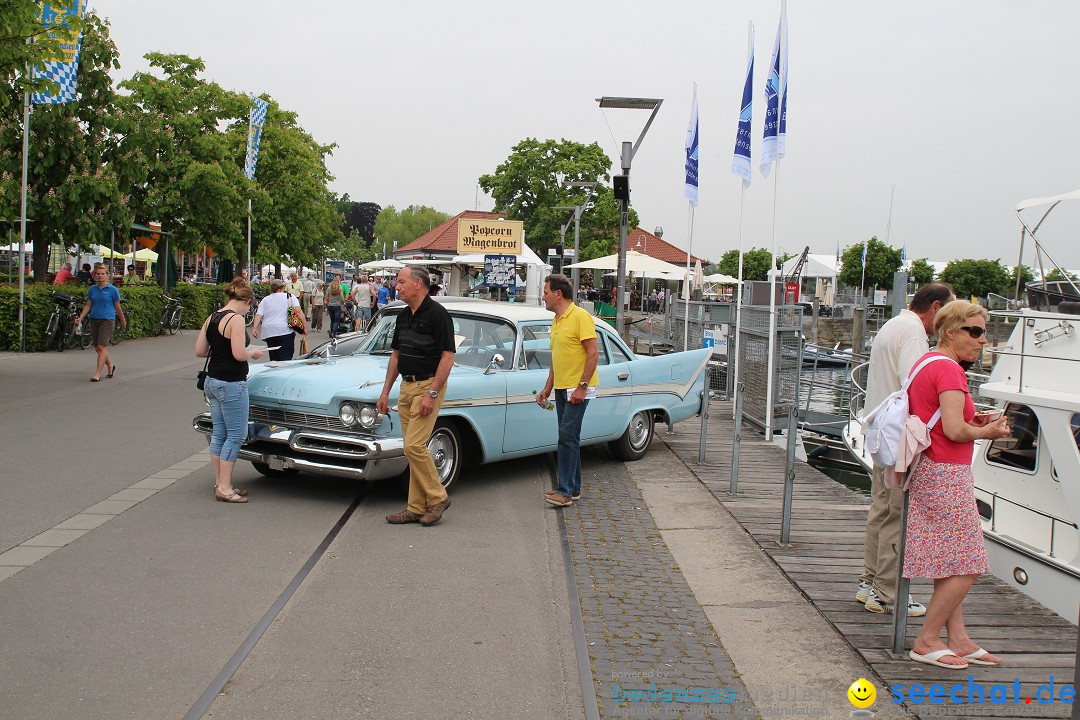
(974,330)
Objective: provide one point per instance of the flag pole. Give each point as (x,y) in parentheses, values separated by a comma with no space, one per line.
(781,91)
(692,141)
(742,207)
(22,214)
(690,246)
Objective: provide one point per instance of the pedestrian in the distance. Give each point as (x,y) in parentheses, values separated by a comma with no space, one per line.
(272,321)
(361,295)
(86,275)
(222,337)
(335,300)
(309,291)
(318,299)
(573,377)
(64,275)
(423,353)
(103,306)
(383,298)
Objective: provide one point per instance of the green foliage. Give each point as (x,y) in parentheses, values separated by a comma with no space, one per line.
(526,187)
(922,272)
(976,278)
(756,263)
(881,262)
(403,227)
(20,21)
(600,225)
(143,305)
(1026,276)
(359,217)
(1056,274)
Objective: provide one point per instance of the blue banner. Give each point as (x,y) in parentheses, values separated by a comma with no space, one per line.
(64,68)
(773,144)
(740,163)
(256,119)
(690,188)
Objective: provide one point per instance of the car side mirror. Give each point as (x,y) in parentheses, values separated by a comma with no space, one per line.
(497,361)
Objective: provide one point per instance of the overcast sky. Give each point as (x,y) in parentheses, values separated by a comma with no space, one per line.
(965,107)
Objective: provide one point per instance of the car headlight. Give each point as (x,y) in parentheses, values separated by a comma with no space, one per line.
(347,413)
(369,416)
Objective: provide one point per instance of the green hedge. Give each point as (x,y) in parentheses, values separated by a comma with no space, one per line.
(143,306)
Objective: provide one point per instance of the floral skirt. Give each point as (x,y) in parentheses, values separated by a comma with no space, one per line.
(944,537)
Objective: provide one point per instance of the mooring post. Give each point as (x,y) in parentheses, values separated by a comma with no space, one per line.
(706,400)
(900,600)
(789,472)
(738,438)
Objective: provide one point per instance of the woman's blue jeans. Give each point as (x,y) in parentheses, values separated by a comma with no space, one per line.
(229,410)
(569,453)
(335,317)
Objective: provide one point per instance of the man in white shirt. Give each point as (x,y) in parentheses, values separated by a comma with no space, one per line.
(362,296)
(898,345)
(309,292)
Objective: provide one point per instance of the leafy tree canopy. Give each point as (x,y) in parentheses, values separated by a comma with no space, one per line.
(405,226)
(1026,276)
(881,262)
(922,272)
(756,263)
(976,278)
(1056,274)
(359,217)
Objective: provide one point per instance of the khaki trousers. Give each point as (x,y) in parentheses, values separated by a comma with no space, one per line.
(882,537)
(424,486)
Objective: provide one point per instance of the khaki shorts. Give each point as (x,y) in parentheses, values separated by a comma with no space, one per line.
(101,331)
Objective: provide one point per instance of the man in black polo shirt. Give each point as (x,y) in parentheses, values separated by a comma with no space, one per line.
(423,353)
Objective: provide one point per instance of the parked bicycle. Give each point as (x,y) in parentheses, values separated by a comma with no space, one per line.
(119,333)
(171,315)
(60,329)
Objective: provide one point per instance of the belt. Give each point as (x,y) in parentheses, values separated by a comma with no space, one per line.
(417,378)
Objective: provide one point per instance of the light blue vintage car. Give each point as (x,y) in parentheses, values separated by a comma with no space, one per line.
(318,415)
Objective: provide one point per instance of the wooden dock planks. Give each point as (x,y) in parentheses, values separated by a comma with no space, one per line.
(825,560)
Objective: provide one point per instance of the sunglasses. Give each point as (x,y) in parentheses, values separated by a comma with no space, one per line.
(974,331)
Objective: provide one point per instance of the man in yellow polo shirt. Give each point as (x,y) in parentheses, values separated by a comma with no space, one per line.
(573,377)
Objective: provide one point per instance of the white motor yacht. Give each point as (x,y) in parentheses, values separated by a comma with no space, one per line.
(1027,485)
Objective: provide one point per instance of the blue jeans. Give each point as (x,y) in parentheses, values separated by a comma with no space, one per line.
(335,317)
(229,410)
(569,454)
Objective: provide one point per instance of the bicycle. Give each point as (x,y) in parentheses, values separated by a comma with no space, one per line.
(75,334)
(170,315)
(119,333)
(55,327)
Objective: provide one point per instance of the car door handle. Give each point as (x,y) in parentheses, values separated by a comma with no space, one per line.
(624,376)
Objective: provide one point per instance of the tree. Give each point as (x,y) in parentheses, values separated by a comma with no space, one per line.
(76,170)
(20,20)
(881,262)
(526,186)
(398,229)
(599,231)
(975,278)
(1026,276)
(358,216)
(922,272)
(756,264)
(1057,274)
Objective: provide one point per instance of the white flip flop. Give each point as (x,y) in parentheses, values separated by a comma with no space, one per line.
(974,658)
(933,658)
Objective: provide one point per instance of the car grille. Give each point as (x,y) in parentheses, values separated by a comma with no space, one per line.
(292,418)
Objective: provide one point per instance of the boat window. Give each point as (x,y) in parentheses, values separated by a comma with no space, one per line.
(1021,448)
(535,347)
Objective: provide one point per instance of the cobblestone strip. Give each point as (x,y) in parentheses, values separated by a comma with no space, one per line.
(654,652)
(44,544)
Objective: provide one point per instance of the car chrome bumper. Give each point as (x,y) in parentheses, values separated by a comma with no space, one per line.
(317,451)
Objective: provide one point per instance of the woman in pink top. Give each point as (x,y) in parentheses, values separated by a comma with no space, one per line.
(944,537)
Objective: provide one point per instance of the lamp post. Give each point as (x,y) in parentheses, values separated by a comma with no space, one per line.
(622,187)
(586,204)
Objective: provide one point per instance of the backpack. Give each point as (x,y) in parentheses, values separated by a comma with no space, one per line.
(885,423)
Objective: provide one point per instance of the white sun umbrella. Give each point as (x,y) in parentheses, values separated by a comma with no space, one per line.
(721,279)
(387,264)
(635,262)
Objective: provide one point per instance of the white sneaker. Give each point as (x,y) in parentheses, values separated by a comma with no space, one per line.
(864,591)
(875,605)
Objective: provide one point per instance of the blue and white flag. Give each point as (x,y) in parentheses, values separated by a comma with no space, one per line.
(837,255)
(63,69)
(864,246)
(903,255)
(774,146)
(256,118)
(690,189)
(740,163)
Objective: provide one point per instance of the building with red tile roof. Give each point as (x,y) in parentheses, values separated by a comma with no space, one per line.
(646,243)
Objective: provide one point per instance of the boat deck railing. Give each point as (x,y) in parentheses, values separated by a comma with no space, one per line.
(1054,520)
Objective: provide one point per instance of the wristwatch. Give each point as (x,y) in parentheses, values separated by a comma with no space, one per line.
(432,393)
(584,384)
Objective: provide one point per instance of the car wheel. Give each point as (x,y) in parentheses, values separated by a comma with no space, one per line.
(264,469)
(634,443)
(445,448)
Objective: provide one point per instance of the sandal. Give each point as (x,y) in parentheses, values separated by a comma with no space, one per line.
(233,498)
(238,491)
(112,371)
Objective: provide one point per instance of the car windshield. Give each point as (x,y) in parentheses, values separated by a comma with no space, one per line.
(477,338)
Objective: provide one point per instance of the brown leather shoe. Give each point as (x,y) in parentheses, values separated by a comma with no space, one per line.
(405,516)
(434,512)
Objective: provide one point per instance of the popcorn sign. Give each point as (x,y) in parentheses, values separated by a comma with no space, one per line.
(490,237)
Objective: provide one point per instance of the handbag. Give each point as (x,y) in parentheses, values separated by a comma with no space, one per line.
(303,346)
(200,379)
(296,320)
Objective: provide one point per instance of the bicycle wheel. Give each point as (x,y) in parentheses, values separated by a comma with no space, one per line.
(118,334)
(67,333)
(85,338)
(249,316)
(174,319)
(51,329)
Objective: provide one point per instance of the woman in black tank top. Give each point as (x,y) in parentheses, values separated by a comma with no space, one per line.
(224,340)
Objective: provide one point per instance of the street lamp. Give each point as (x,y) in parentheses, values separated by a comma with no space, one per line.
(622,186)
(578,209)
